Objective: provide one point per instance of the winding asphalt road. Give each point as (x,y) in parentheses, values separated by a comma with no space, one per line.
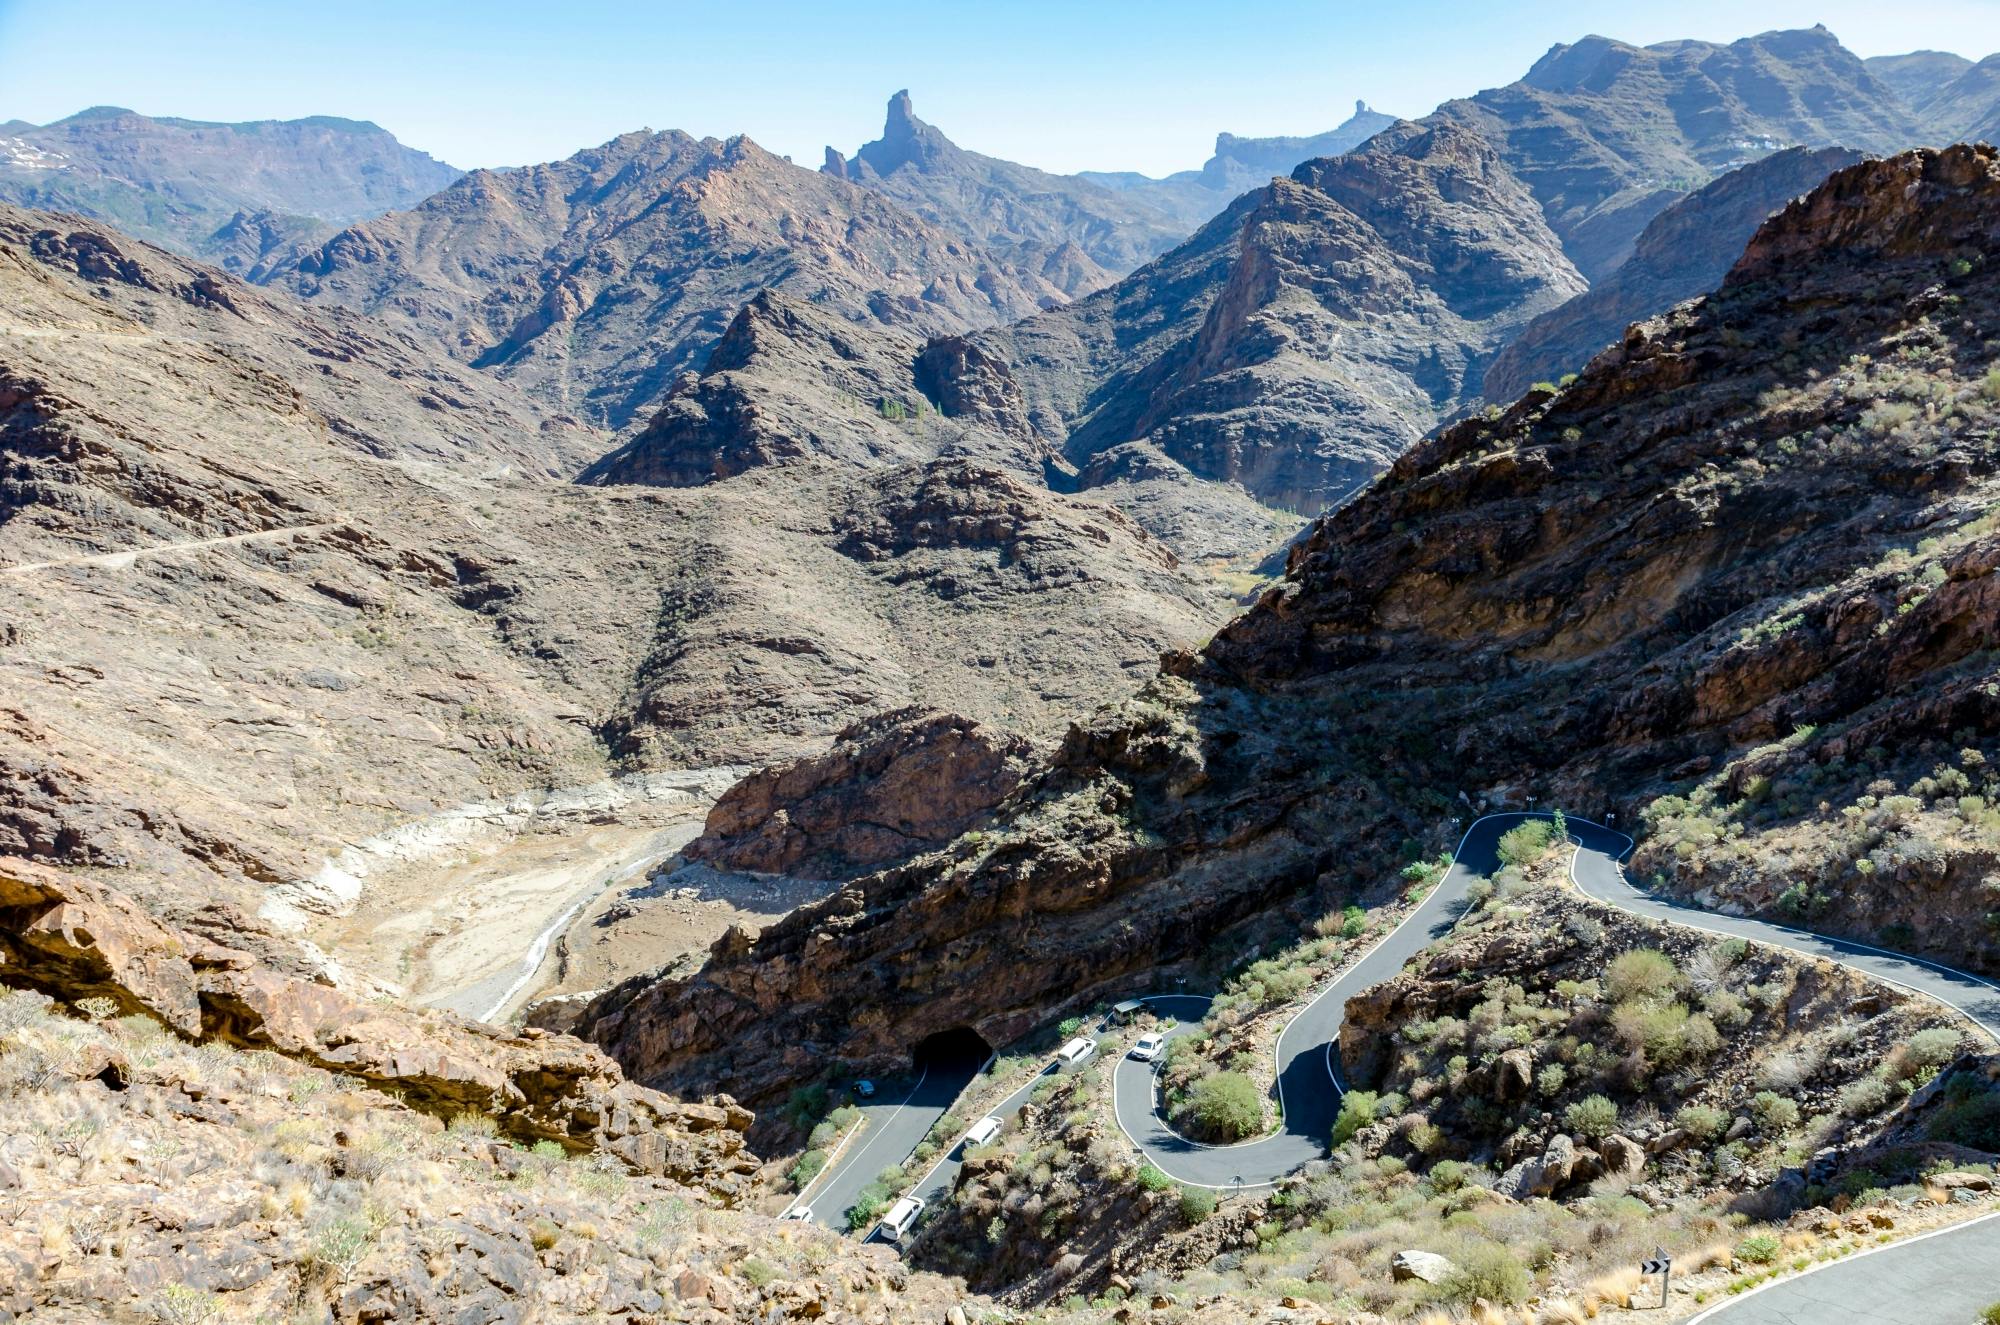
(1310,1084)
(1308,1067)
(890,1129)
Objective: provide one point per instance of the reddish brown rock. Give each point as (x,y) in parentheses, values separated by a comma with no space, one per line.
(889,788)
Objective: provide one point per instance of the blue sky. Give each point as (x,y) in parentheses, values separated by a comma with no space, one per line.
(1088,84)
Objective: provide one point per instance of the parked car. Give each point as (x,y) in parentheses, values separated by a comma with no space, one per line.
(1149,1046)
(902,1217)
(1075,1051)
(984,1131)
(800,1213)
(864,1090)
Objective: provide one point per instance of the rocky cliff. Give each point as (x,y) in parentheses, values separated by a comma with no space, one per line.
(1683,252)
(593,282)
(1697,550)
(890,787)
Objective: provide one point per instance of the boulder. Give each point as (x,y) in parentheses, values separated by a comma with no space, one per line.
(1513,1076)
(1623,1157)
(1425,1265)
(1541,1177)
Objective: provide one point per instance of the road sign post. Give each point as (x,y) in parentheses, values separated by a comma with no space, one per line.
(1662,1265)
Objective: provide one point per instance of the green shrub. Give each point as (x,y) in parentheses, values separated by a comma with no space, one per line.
(1932,1048)
(1701,1122)
(867,1204)
(1487,1271)
(1551,1079)
(1197,1204)
(1357,1110)
(1152,1179)
(1866,1096)
(1353,922)
(1447,1175)
(1592,1116)
(1642,973)
(1990,1316)
(1524,844)
(1226,1105)
(1759,1249)
(810,1165)
(757,1273)
(1775,1114)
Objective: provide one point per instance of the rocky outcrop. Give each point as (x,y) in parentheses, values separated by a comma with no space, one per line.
(889,788)
(76,940)
(1078,234)
(1684,251)
(1590,598)
(594,282)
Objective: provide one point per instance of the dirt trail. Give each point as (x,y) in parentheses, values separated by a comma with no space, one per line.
(120,560)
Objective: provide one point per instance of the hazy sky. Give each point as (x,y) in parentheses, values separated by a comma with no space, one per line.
(1084,84)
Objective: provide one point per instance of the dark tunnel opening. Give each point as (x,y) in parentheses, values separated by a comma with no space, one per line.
(959,1049)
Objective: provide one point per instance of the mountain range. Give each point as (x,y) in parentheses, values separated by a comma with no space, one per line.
(827,638)
(231,194)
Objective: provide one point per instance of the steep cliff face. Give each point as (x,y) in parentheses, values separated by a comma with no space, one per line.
(1592,597)
(1683,252)
(1302,339)
(890,787)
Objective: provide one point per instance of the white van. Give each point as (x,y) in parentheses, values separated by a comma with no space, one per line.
(983,1131)
(1075,1052)
(902,1217)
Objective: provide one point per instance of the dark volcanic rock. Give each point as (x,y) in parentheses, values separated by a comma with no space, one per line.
(1683,252)
(889,788)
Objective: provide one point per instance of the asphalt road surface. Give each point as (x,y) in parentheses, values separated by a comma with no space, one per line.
(891,1127)
(1942,1278)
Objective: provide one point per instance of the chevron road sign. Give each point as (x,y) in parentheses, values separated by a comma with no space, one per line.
(1662,1265)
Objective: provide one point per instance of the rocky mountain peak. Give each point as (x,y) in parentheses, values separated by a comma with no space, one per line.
(1923,203)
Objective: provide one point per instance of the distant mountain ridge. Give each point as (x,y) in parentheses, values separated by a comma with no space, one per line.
(200,188)
(1606,134)
(593,282)
(1069,230)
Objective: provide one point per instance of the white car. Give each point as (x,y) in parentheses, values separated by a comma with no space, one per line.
(1149,1046)
(798,1212)
(1075,1052)
(902,1217)
(983,1131)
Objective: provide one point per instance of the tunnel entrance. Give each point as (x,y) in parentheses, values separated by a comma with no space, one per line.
(960,1049)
